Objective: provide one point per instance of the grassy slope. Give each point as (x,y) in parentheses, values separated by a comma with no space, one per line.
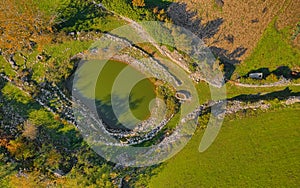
(48,6)
(272,51)
(254,151)
(190,172)
(233,91)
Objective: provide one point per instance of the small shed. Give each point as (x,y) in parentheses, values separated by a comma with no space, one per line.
(257,75)
(58,173)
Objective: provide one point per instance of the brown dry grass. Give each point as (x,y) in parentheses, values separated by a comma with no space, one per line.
(245,20)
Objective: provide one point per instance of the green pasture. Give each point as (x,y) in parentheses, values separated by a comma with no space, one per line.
(274,50)
(261,150)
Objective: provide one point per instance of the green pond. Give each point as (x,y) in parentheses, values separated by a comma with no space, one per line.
(140,94)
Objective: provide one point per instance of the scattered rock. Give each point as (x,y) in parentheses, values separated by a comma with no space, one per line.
(255,20)
(39,57)
(220,3)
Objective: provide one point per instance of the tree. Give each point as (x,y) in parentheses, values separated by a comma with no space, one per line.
(155,10)
(22,26)
(21,150)
(138,3)
(79,15)
(182,39)
(30,130)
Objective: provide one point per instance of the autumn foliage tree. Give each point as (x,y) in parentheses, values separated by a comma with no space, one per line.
(138,3)
(30,130)
(22,26)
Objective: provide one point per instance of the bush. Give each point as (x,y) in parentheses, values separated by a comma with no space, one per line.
(78,15)
(124,8)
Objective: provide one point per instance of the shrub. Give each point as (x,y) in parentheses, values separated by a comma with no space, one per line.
(124,8)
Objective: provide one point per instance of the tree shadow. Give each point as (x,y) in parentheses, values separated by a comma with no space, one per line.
(282,71)
(281,95)
(286,72)
(180,15)
(106,112)
(229,59)
(13,112)
(161,4)
(78,15)
(228,70)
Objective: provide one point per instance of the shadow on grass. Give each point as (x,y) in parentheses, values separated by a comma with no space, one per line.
(181,16)
(8,117)
(282,71)
(286,72)
(280,95)
(161,4)
(78,15)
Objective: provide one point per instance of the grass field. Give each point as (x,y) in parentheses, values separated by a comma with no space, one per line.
(48,6)
(257,151)
(234,91)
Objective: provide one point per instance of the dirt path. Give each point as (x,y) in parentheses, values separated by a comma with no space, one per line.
(281,83)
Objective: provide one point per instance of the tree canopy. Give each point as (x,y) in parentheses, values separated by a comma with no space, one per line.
(138,3)
(22,26)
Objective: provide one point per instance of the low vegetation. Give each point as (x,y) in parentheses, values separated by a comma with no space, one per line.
(41,43)
(257,150)
(274,55)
